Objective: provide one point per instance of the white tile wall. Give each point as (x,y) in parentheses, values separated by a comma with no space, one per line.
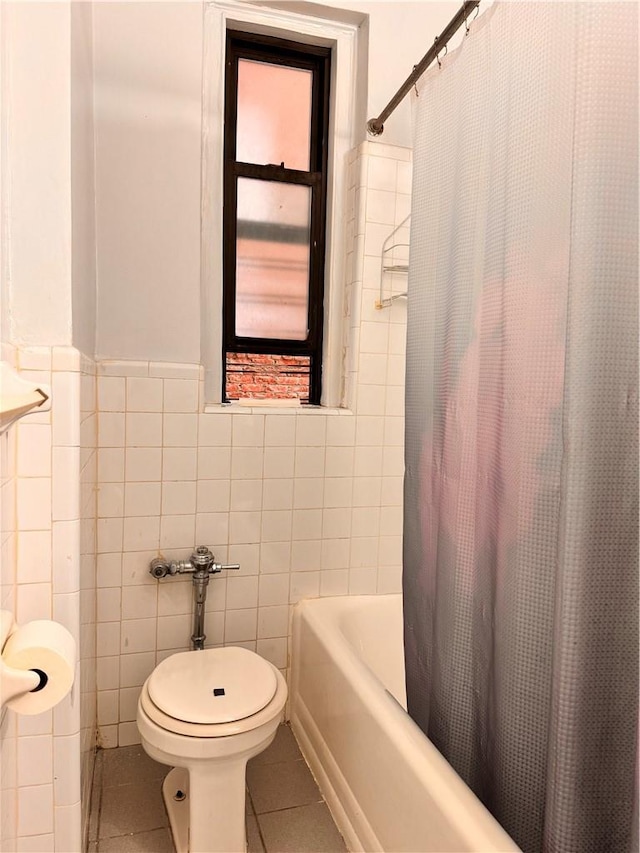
(308,502)
(48,474)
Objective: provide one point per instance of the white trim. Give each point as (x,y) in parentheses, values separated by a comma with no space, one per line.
(342,37)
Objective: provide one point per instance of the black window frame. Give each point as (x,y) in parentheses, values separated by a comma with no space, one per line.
(242,45)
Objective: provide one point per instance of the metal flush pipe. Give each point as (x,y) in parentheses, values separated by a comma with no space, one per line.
(201,565)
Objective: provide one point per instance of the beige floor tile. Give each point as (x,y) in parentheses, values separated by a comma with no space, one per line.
(131,808)
(129,765)
(156,841)
(281,786)
(307,829)
(254,842)
(283,748)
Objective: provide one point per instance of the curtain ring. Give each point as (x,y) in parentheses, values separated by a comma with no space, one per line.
(466,20)
(415,84)
(438,57)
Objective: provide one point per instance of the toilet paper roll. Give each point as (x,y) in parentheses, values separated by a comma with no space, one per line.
(48,649)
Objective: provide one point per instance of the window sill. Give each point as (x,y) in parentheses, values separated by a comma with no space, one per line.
(304,411)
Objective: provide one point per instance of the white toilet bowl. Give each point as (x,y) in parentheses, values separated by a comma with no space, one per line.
(207,713)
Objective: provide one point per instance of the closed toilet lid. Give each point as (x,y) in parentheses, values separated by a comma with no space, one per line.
(212,686)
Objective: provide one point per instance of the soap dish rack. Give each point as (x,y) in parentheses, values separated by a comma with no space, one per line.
(389,265)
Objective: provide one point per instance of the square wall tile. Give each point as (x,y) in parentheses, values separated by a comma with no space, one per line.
(274,650)
(35,810)
(181,395)
(213,496)
(180,430)
(175,597)
(143,429)
(247,463)
(111,393)
(110,465)
(33,503)
(141,533)
(275,557)
(66,766)
(242,592)
(177,531)
(34,760)
(277,494)
(110,500)
(108,604)
(244,527)
(273,621)
(179,498)
(136,668)
(247,556)
(135,567)
(137,635)
(143,464)
(276,525)
(34,450)
(180,463)
(214,463)
(240,625)
(306,555)
(280,430)
(144,394)
(279,462)
(212,528)
(111,429)
(142,499)
(248,430)
(34,556)
(273,589)
(214,429)
(246,495)
(33,602)
(139,602)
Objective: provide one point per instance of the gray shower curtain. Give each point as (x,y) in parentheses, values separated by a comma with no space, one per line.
(521,491)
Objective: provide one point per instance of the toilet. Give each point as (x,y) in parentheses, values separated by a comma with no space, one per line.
(206,713)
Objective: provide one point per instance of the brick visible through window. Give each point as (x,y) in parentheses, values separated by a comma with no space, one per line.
(267,377)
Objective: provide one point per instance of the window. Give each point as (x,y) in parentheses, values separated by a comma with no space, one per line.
(275,191)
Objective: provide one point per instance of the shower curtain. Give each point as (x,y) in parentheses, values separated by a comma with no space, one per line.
(521,491)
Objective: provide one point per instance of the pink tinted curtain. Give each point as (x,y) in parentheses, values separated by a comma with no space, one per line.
(521,492)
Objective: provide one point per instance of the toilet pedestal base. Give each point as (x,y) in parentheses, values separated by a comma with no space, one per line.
(210,797)
(177,809)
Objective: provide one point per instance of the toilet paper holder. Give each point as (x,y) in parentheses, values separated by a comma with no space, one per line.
(15,682)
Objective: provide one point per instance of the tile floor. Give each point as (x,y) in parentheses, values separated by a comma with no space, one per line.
(285,810)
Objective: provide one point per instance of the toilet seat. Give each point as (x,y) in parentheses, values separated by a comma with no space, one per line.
(170,707)
(212,686)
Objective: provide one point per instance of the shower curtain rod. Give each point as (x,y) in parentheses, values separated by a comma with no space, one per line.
(375,126)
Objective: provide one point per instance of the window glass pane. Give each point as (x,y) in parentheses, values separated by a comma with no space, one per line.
(272,260)
(262,376)
(274,114)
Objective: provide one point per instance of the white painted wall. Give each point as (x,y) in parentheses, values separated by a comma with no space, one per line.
(36,128)
(148,84)
(83,265)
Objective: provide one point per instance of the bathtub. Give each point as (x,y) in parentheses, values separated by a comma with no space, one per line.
(387,786)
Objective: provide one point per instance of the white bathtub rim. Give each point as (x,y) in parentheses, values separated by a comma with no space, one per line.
(449,792)
(341,801)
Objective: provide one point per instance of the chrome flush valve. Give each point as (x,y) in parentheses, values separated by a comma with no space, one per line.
(200,565)
(202,562)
